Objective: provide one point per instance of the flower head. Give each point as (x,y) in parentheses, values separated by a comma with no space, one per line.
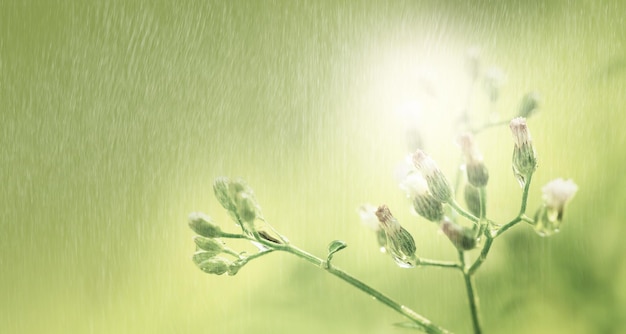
(556,194)
(461,237)
(437,183)
(203,225)
(477,173)
(524,155)
(400,243)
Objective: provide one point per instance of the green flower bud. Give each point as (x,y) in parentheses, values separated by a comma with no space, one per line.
(524,155)
(437,183)
(461,237)
(477,173)
(203,225)
(472,199)
(238,198)
(209,245)
(400,243)
(428,207)
(213,265)
(424,204)
(246,207)
(221,188)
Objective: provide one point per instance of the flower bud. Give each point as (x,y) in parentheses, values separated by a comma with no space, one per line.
(530,104)
(428,207)
(203,225)
(472,199)
(221,188)
(212,265)
(556,194)
(461,237)
(400,243)
(477,173)
(437,183)
(524,155)
(209,245)
(246,207)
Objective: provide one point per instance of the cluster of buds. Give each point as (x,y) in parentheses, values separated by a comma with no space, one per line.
(209,246)
(429,190)
(437,183)
(239,200)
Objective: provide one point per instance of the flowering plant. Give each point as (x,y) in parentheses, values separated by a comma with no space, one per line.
(431,196)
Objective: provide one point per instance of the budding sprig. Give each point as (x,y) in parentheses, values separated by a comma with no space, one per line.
(431,197)
(239,200)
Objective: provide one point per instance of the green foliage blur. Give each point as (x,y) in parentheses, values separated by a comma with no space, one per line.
(116,116)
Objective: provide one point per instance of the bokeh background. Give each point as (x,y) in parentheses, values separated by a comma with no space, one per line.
(115,117)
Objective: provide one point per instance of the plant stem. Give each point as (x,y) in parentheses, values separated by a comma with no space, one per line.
(483,255)
(522,210)
(233,236)
(419,320)
(437,263)
(471,294)
(462,211)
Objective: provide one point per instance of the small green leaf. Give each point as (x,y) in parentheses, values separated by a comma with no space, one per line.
(334,247)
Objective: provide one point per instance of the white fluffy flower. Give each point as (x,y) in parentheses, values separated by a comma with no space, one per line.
(558,192)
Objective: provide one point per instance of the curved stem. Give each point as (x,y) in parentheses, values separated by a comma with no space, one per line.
(483,255)
(471,294)
(420,320)
(522,210)
(462,211)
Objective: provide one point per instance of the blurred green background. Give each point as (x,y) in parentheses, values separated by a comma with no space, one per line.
(116,116)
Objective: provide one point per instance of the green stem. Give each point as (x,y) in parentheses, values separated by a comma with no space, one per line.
(437,263)
(420,320)
(483,255)
(471,295)
(522,210)
(462,211)
(256,255)
(483,202)
(233,236)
